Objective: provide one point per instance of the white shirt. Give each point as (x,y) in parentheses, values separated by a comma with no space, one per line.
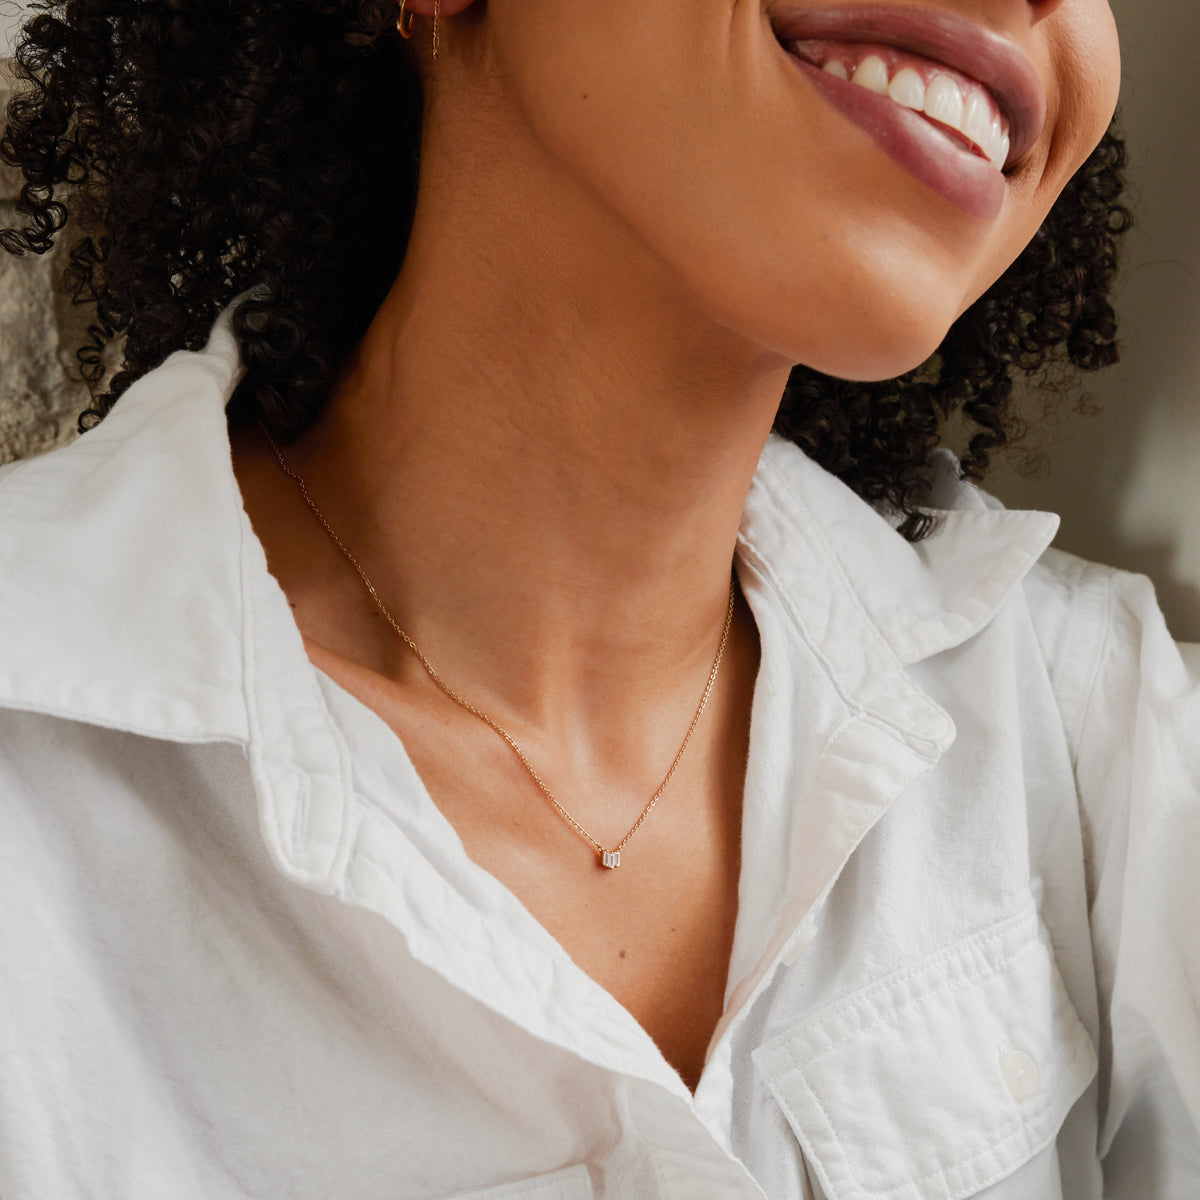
(244,955)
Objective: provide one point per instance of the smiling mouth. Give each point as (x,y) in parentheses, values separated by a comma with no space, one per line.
(954,103)
(959,107)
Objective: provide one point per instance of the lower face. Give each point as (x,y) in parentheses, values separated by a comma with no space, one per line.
(835,181)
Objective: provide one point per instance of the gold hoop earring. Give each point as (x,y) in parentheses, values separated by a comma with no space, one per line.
(403,27)
(437,12)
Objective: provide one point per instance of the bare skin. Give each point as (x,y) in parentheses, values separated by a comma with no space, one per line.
(542,448)
(658,932)
(556,531)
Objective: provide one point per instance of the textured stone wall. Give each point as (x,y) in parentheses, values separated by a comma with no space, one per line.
(41,394)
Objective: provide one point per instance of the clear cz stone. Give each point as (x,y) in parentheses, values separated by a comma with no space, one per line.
(611,858)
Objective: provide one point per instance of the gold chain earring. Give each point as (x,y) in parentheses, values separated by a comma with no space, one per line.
(437,12)
(404,27)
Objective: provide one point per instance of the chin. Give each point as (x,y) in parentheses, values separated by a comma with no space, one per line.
(872,367)
(867,350)
(872,320)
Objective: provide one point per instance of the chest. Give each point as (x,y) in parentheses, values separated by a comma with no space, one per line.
(656,932)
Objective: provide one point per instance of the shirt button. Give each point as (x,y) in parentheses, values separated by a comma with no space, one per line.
(1020,1074)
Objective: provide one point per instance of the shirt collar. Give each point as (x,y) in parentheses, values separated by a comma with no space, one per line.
(920,598)
(126,562)
(119,579)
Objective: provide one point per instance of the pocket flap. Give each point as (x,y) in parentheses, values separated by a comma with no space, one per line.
(568,1183)
(939,1079)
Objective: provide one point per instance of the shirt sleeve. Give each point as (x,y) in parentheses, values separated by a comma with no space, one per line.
(1132,710)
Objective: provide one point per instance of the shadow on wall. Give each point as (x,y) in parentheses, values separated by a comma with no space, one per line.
(1127,483)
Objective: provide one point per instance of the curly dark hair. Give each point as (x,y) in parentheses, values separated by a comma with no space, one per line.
(207,148)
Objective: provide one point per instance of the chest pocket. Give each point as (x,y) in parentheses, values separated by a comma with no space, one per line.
(569,1183)
(940,1079)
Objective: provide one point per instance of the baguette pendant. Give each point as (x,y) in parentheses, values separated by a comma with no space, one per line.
(610,859)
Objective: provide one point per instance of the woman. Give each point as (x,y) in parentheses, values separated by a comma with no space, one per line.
(489,771)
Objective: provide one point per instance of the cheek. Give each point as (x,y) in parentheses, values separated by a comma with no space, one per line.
(1083,47)
(776,219)
(778,223)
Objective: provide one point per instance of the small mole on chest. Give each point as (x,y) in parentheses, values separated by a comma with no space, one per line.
(621,953)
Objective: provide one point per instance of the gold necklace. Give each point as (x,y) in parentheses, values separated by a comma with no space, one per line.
(608,858)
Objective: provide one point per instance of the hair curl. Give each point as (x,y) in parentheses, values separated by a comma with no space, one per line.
(207,148)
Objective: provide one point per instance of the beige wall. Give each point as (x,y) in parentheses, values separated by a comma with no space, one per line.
(41,395)
(10,14)
(1127,483)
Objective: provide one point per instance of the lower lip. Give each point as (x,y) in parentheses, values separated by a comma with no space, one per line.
(967,181)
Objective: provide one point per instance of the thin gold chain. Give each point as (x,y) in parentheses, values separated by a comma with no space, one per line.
(608,857)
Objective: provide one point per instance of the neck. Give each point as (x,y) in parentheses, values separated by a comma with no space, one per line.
(540,452)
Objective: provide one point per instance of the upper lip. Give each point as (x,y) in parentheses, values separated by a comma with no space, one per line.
(945,37)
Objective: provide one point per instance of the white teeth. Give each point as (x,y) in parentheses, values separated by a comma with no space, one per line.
(908,89)
(994,144)
(977,120)
(944,102)
(1002,154)
(872,74)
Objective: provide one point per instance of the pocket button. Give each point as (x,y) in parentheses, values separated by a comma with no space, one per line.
(1020,1074)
